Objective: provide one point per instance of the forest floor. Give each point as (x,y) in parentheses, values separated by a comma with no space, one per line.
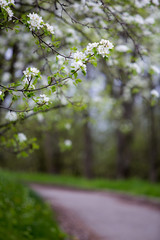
(98,215)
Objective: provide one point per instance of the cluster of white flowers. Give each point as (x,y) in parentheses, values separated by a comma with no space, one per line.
(155,93)
(143,3)
(21,137)
(155,69)
(43,99)
(79,64)
(104,47)
(36,22)
(79,60)
(90,47)
(11,116)
(68,126)
(68,143)
(101,48)
(86,6)
(79,56)
(156,2)
(0,92)
(40,117)
(122,48)
(138,19)
(31,72)
(5,5)
(49,28)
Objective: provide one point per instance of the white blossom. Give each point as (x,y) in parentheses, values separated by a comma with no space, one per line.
(68,143)
(9,11)
(49,28)
(155,93)
(106,43)
(11,116)
(63,100)
(149,20)
(43,98)
(156,2)
(138,19)
(104,47)
(122,48)
(79,56)
(31,72)
(78,64)
(35,21)
(90,47)
(68,126)
(11,1)
(141,3)
(78,61)
(60,60)
(40,117)
(0,92)
(5,5)
(127,18)
(21,137)
(155,69)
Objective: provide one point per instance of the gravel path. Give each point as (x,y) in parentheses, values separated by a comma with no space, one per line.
(102,216)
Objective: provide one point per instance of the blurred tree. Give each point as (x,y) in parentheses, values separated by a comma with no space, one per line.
(40,65)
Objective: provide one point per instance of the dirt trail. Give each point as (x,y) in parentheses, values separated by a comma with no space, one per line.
(102,216)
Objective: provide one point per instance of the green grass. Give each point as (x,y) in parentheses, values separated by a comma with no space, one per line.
(23,215)
(131,186)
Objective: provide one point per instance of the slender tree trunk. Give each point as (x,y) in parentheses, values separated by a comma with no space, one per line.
(123,154)
(11,70)
(153,147)
(57,158)
(48,152)
(50,160)
(88,148)
(124,141)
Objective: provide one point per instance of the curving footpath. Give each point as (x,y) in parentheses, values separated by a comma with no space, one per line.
(102,216)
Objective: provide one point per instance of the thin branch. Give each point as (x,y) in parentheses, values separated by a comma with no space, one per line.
(28,116)
(123,25)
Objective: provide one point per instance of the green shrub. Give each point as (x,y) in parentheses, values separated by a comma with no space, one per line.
(23,216)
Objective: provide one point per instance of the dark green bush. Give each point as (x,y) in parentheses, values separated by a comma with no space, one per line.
(23,216)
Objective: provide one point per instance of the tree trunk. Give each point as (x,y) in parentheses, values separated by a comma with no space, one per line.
(153,147)
(88,149)
(124,140)
(48,152)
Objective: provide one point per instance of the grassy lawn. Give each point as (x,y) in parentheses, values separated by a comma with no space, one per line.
(23,215)
(131,186)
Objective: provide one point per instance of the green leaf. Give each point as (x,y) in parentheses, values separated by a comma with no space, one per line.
(135,90)
(84,73)
(78,80)
(75,74)
(53,88)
